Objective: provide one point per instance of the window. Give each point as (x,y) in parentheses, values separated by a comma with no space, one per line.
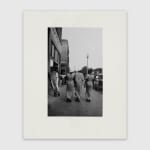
(56,55)
(52,50)
(58,58)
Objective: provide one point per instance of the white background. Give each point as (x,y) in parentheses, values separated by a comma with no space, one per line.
(11,74)
(113,122)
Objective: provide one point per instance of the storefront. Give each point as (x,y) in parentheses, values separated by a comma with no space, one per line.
(54,49)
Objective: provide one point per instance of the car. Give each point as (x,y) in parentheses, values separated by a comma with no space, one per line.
(98,82)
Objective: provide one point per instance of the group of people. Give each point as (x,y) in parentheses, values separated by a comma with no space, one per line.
(74,85)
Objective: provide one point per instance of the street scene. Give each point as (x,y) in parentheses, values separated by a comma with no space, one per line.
(75,73)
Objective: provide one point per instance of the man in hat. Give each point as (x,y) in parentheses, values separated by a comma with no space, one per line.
(78,83)
(89,86)
(69,87)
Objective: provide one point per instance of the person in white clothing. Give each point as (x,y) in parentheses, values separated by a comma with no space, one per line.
(55,82)
(78,83)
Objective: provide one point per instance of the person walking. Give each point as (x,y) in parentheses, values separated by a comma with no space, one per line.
(78,83)
(70,87)
(89,87)
(55,82)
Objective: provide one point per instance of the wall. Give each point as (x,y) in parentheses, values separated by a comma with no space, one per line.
(11,58)
(65,55)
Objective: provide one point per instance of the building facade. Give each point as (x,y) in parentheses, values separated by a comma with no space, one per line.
(54,48)
(65,57)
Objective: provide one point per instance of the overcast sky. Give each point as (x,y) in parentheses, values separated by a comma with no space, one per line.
(83,41)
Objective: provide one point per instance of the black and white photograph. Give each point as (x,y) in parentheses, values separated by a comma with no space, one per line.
(75,71)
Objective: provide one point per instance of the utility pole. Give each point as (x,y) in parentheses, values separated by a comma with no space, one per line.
(87,57)
(74,68)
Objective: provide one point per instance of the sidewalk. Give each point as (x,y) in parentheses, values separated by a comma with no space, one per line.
(57,106)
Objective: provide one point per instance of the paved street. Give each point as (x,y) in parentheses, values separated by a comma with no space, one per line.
(57,106)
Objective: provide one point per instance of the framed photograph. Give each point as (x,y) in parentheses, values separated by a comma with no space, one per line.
(75,75)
